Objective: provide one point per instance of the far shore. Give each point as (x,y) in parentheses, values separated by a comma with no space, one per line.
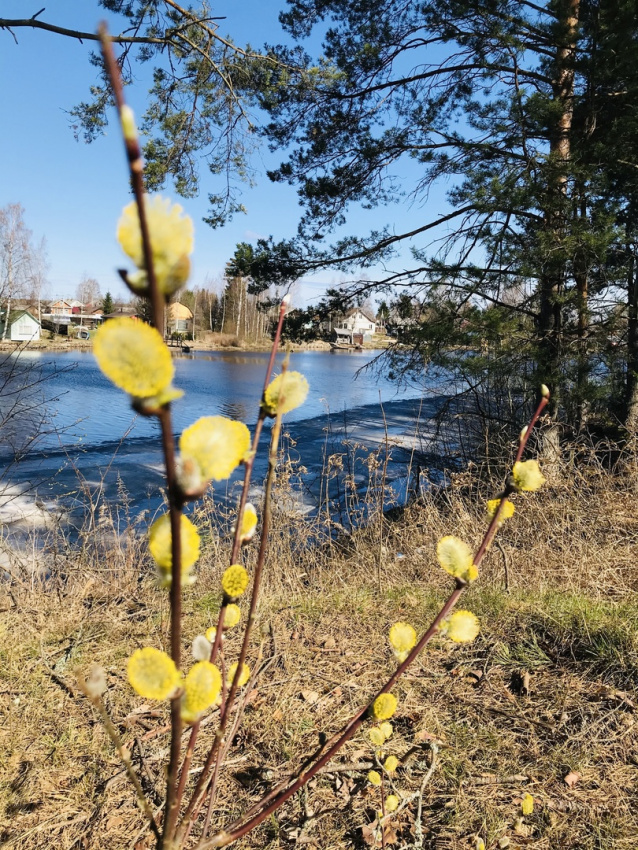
(211,342)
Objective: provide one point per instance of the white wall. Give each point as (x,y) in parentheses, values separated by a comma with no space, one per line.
(25,328)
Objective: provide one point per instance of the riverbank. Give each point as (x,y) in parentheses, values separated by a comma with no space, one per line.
(209,342)
(541,704)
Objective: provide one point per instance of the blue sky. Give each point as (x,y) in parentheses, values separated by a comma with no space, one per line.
(73,193)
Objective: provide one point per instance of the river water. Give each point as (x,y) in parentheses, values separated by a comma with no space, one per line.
(81,435)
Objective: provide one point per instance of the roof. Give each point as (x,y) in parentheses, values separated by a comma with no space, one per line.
(178,311)
(69,302)
(361,310)
(14,315)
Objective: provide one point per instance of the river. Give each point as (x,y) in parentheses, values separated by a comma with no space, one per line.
(81,435)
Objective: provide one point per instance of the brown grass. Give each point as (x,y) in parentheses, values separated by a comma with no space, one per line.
(546,691)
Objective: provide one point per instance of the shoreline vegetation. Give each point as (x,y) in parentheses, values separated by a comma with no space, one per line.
(209,342)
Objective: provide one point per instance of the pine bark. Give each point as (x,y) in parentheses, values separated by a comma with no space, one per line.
(552,281)
(631,397)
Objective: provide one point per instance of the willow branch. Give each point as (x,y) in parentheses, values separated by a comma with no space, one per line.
(242,826)
(175,499)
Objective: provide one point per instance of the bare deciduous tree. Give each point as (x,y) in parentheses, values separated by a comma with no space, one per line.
(88,291)
(22,264)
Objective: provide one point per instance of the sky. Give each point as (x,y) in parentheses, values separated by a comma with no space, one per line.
(73,193)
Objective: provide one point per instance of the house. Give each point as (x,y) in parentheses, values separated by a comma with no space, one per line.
(22,326)
(66,312)
(359,321)
(179,319)
(65,307)
(355,327)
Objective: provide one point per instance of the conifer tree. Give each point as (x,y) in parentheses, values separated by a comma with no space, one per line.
(107,304)
(501,100)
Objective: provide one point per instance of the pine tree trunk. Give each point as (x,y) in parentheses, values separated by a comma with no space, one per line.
(631,389)
(552,282)
(583,369)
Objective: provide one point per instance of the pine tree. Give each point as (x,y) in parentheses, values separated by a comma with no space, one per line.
(107,304)
(196,114)
(500,99)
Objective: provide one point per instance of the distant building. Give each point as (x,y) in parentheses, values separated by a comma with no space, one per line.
(61,308)
(62,314)
(355,327)
(22,326)
(127,312)
(179,319)
(359,321)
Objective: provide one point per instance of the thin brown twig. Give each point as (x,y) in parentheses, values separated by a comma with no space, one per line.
(254,679)
(114,735)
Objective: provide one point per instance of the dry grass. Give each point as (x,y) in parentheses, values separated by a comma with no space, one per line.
(569,622)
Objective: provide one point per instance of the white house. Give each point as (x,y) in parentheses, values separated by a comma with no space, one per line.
(358,321)
(22,327)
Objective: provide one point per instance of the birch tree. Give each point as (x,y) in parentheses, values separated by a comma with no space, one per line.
(22,264)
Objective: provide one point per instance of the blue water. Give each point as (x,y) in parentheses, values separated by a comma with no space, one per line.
(230,384)
(91,437)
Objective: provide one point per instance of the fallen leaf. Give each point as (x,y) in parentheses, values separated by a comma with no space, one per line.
(277,715)
(519,683)
(572,778)
(360,755)
(371,833)
(255,699)
(311,697)
(422,736)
